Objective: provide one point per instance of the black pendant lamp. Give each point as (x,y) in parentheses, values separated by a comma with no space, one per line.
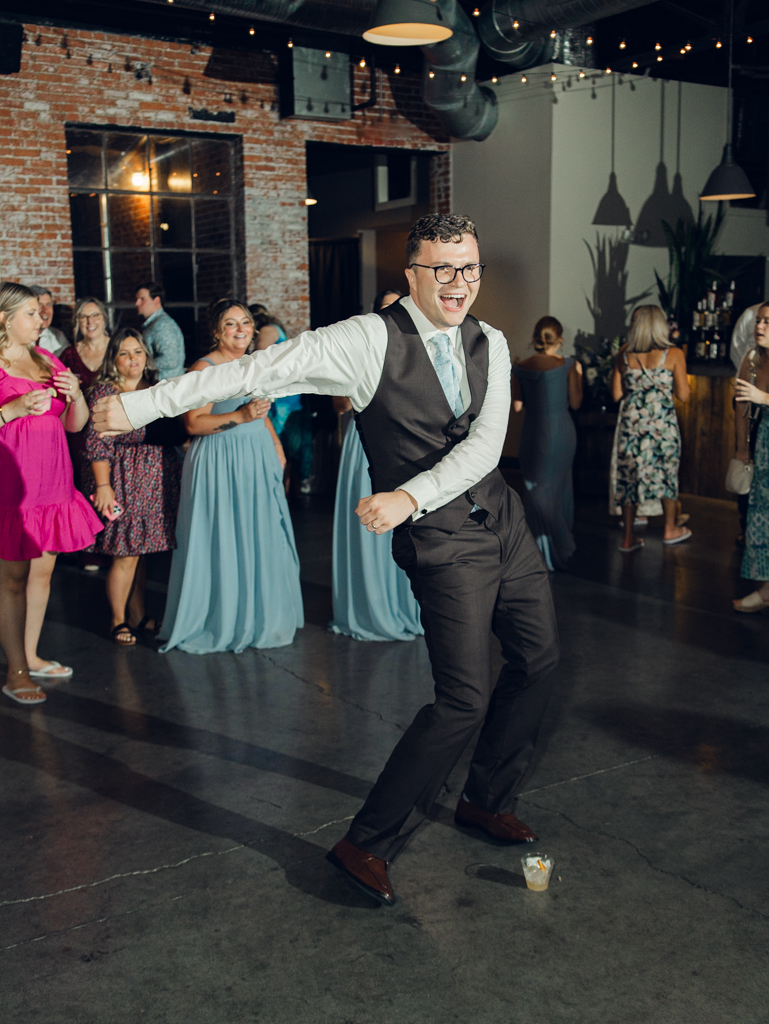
(728,180)
(407,23)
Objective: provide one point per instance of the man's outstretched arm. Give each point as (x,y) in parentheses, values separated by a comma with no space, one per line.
(330,361)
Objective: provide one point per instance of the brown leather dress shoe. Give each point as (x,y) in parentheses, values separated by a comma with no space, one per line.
(505,827)
(366,871)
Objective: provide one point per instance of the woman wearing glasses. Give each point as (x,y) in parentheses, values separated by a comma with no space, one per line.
(546,385)
(372,596)
(90,324)
(752,392)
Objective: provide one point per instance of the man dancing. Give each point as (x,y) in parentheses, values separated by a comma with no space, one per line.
(430,386)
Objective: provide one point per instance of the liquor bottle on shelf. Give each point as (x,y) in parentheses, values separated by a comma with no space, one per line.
(730,296)
(711,297)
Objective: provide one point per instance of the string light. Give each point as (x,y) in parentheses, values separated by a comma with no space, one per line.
(553,78)
(688,47)
(683,49)
(431,74)
(635,63)
(463,78)
(290,44)
(476,12)
(397,69)
(328,53)
(524,78)
(362,62)
(251,31)
(622,45)
(659,59)
(494,80)
(658,46)
(589,40)
(212,16)
(608,71)
(719,44)
(750,39)
(582,74)
(553,34)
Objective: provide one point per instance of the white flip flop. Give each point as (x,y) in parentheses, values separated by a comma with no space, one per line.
(41,699)
(634,547)
(50,672)
(679,540)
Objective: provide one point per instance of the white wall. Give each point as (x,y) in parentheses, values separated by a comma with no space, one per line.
(534,185)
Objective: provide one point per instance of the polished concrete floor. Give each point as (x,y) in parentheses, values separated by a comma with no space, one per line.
(165,818)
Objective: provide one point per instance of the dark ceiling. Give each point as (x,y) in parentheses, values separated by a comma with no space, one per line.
(698,23)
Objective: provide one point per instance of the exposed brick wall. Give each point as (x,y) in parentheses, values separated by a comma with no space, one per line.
(90,78)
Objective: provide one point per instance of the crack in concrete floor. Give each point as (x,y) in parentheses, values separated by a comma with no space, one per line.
(647,860)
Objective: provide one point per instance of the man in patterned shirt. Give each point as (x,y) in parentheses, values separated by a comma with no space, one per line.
(162,334)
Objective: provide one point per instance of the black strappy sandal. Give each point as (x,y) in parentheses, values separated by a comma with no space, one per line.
(143,628)
(122,630)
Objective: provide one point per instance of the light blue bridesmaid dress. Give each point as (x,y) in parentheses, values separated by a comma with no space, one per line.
(235,572)
(372,596)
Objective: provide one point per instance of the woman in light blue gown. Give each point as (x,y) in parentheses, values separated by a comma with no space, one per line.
(235,572)
(372,596)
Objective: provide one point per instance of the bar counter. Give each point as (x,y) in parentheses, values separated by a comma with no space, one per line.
(707,430)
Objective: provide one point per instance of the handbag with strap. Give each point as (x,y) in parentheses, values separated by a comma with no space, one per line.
(739,475)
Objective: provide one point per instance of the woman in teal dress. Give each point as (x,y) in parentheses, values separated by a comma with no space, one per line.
(235,572)
(752,393)
(546,385)
(371,594)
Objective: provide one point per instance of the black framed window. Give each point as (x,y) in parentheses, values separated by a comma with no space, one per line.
(150,206)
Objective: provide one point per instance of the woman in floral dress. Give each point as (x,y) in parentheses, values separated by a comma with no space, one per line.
(133,485)
(752,390)
(648,372)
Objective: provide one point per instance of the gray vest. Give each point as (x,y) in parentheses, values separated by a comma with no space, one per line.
(408,426)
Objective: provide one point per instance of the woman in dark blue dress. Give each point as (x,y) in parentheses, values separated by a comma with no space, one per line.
(546,385)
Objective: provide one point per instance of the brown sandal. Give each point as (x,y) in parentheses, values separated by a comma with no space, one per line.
(125,632)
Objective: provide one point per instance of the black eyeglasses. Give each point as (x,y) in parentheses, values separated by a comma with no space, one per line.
(446,275)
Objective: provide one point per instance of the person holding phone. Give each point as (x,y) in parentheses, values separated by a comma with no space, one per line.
(41,512)
(134,486)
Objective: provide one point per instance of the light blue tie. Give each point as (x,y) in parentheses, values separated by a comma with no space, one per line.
(447,374)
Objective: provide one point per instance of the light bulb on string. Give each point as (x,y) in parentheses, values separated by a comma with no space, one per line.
(635,63)
(328,53)
(494,80)
(750,39)
(431,74)
(719,44)
(516,24)
(682,50)
(290,44)
(212,16)
(524,78)
(476,12)
(463,78)
(397,69)
(553,34)
(362,62)
(553,78)
(582,74)
(251,31)
(658,46)
(659,59)
(589,41)
(608,71)
(623,45)
(688,46)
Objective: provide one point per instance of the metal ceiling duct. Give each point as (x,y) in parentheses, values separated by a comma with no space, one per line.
(529,44)
(465,109)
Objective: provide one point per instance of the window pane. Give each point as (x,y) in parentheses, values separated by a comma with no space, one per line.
(126,316)
(129,269)
(176,275)
(173,223)
(170,162)
(86,219)
(214,277)
(85,167)
(127,162)
(210,167)
(185,318)
(212,224)
(129,221)
(89,274)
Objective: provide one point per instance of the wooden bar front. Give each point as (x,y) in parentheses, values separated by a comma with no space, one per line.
(707,433)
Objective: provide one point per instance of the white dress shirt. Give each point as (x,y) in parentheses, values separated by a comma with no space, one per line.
(53,341)
(743,338)
(347,359)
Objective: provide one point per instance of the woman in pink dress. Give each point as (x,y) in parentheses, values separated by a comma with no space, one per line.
(41,513)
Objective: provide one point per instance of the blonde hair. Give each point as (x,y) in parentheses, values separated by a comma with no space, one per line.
(649,331)
(12,298)
(547,331)
(79,307)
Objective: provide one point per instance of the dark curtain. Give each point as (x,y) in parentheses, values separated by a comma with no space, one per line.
(334,280)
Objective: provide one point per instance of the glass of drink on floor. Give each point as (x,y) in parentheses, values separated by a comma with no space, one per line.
(537,868)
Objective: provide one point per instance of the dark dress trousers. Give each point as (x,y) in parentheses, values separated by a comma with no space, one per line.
(473,573)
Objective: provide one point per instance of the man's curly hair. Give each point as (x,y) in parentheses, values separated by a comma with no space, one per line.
(437,227)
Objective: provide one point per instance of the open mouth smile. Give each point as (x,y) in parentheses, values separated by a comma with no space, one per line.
(453,302)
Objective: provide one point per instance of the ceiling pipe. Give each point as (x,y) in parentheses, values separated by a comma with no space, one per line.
(518,31)
(465,109)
